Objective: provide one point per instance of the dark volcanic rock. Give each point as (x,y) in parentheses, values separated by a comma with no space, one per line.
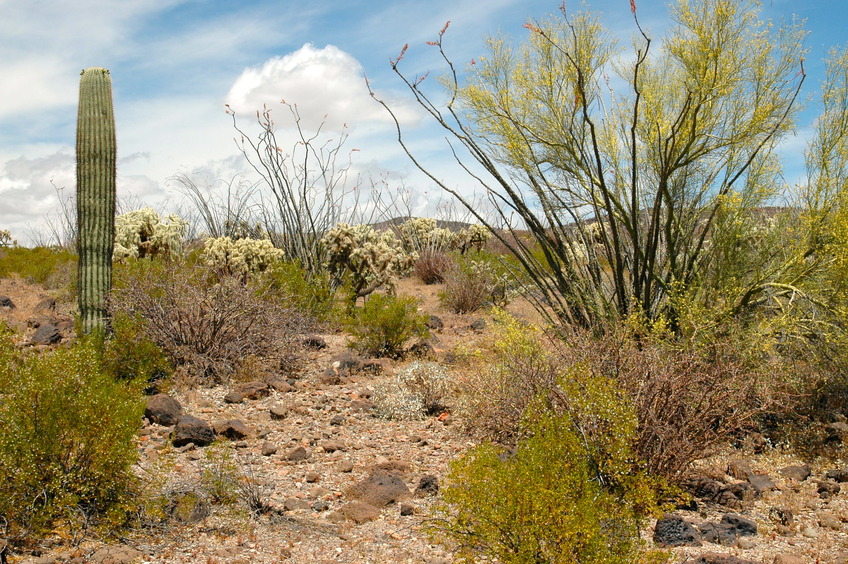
(673,530)
(192,430)
(163,409)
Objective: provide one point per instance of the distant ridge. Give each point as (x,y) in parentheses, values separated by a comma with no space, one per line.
(395,222)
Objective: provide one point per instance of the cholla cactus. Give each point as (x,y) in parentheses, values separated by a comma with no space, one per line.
(6,239)
(370,259)
(240,257)
(416,391)
(142,233)
(472,237)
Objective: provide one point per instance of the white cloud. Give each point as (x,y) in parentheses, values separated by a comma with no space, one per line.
(325,84)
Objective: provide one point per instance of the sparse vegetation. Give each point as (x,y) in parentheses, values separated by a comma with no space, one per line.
(384,324)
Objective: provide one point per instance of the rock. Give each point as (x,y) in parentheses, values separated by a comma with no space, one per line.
(233,397)
(429,485)
(799,472)
(673,530)
(163,409)
(715,558)
(279,412)
(739,468)
(837,475)
(422,350)
(119,554)
(253,390)
(841,558)
(192,430)
(728,530)
(337,420)
(704,487)
(268,448)
(46,334)
(761,483)
(810,533)
(298,454)
(407,509)
(295,504)
(379,488)
(788,559)
(434,323)
(361,405)
(826,489)
(782,515)
(314,342)
(281,386)
(47,304)
(742,526)
(312,477)
(232,429)
(332,445)
(828,520)
(359,512)
(345,466)
(321,505)
(479,325)
(6,301)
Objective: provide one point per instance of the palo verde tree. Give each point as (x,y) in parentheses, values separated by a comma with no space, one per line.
(625,165)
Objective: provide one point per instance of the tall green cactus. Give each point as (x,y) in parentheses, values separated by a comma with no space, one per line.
(96,159)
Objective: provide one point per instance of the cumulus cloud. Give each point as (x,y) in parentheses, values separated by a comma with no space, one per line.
(320,82)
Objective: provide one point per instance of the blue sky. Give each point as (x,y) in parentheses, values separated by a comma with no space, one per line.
(175,63)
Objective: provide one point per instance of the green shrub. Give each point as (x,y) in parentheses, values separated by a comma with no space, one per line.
(311,295)
(130,354)
(432,266)
(67,430)
(475,281)
(384,324)
(54,268)
(568,492)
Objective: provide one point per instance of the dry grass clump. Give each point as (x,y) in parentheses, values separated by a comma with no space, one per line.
(432,266)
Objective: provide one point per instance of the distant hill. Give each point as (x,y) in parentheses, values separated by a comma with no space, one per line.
(393,223)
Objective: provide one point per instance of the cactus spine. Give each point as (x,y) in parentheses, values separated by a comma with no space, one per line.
(96,161)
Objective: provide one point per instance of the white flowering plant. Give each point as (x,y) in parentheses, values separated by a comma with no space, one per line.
(143,233)
(240,257)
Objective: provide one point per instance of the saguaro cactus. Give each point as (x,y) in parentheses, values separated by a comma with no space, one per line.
(96,158)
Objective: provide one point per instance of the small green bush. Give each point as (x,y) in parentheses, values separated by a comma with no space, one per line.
(67,430)
(130,355)
(475,281)
(548,501)
(384,324)
(311,295)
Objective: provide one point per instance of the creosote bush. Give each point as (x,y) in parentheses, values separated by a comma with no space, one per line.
(54,268)
(567,493)
(67,429)
(310,294)
(384,324)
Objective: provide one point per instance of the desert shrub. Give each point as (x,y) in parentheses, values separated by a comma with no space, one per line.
(67,430)
(413,393)
(143,233)
(129,354)
(207,323)
(567,493)
(240,257)
(54,268)
(365,259)
(311,295)
(475,282)
(384,324)
(432,266)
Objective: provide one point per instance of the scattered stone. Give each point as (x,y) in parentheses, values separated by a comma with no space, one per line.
(379,488)
(740,468)
(788,559)
(826,489)
(268,448)
(761,483)
(728,530)
(321,505)
(673,530)
(422,350)
(359,512)
(332,445)
(118,554)
(479,325)
(828,520)
(704,487)
(279,412)
(407,509)
(742,526)
(6,301)
(429,485)
(298,454)
(48,304)
(837,475)
(232,429)
(46,334)
(799,472)
(233,397)
(715,558)
(314,342)
(841,558)
(253,390)
(434,323)
(337,420)
(190,429)
(782,515)
(163,409)
(810,533)
(345,466)
(312,477)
